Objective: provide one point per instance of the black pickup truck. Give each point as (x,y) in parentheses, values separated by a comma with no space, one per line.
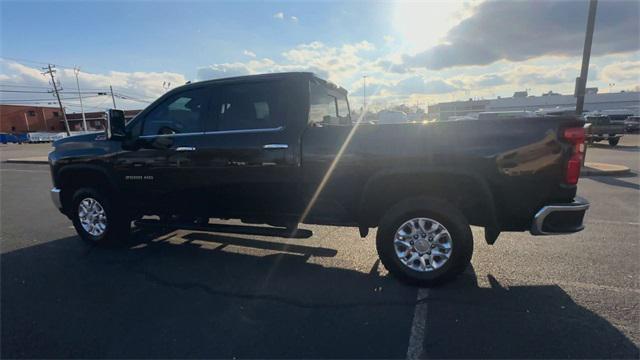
(282,149)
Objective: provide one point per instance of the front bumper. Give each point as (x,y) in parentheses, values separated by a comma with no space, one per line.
(55,198)
(560,218)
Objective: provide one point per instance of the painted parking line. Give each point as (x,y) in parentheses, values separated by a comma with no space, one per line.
(613,222)
(415,349)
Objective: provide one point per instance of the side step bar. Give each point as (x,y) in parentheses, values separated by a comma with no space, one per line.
(231,229)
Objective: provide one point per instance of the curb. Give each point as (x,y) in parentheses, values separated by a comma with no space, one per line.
(26,161)
(601,169)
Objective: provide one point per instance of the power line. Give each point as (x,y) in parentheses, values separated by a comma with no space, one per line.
(25,86)
(36,62)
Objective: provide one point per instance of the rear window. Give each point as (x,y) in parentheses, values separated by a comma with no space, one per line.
(327,106)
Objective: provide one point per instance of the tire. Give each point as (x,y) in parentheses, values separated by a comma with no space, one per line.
(117,225)
(440,211)
(614,141)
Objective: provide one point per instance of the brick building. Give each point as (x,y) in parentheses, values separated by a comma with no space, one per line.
(23,118)
(95,120)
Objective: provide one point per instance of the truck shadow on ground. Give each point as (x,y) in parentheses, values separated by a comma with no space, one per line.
(617,181)
(630,148)
(198,297)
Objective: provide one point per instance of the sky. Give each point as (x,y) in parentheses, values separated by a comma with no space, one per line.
(416,53)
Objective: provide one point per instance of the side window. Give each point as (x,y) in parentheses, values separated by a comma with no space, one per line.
(248,106)
(323,109)
(343,110)
(328,106)
(178,114)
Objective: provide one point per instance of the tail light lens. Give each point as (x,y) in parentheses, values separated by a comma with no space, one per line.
(574,136)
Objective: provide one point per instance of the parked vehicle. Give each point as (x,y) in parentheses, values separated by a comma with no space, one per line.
(603,129)
(11,138)
(42,137)
(632,124)
(281,149)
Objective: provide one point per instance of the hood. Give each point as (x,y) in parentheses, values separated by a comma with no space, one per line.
(80,138)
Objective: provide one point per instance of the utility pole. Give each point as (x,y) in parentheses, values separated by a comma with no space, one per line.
(76,71)
(50,71)
(112,97)
(581,82)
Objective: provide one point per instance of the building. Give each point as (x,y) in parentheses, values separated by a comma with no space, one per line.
(23,118)
(521,101)
(95,120)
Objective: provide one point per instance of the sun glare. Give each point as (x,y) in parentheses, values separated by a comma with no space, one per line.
(421,25)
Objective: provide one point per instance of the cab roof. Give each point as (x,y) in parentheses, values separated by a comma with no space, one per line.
(268,76)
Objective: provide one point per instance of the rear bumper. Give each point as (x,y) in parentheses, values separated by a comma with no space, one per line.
(55,198)
(560,218)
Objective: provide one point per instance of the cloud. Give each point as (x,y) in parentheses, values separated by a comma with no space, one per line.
(217,71)
(294,18)
(625,71)
(417,84)
(249,53)
(279,16)
(139,85)
(335,63)
(521,30)
(388,39)
(490,80)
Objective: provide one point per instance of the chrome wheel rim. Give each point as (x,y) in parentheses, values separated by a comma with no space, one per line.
(423,244)
(92,216)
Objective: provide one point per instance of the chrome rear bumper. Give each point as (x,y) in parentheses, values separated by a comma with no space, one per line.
(560,218)
(55,198)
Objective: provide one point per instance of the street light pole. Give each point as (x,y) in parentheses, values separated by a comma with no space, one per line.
(364,96)
(112,97)
(76,71)
(581,82)
(26,121)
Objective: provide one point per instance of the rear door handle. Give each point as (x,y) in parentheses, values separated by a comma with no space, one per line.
(275,146)
(185,148)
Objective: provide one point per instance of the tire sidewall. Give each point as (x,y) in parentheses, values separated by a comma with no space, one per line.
(449,217)
(82,194)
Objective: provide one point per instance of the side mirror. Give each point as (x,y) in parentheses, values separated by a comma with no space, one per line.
(115,124)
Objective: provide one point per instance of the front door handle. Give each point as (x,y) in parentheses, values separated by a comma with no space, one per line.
(275,146)
(185,148)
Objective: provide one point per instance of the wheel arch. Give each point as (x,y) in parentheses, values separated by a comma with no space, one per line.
(467,191)
(74,176)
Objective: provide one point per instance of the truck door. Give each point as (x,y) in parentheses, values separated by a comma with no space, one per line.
(248,152)
(161,172)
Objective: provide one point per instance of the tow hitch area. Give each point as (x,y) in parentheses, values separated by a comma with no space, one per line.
(225,228)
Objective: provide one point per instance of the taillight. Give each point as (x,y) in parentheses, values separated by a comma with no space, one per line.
(575,136)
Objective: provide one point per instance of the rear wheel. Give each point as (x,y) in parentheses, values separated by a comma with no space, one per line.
(96,219)
(424,241)
(614,141)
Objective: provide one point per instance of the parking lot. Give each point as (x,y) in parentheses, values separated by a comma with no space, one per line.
(197,294)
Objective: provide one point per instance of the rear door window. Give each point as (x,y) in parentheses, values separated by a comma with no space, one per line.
(250,106)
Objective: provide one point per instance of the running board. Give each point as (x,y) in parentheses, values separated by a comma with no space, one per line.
(232,229)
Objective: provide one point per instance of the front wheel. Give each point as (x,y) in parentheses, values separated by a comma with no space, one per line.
(424,241)
(614,141)
(96,219)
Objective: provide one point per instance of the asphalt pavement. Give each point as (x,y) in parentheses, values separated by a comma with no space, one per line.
(197,294)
